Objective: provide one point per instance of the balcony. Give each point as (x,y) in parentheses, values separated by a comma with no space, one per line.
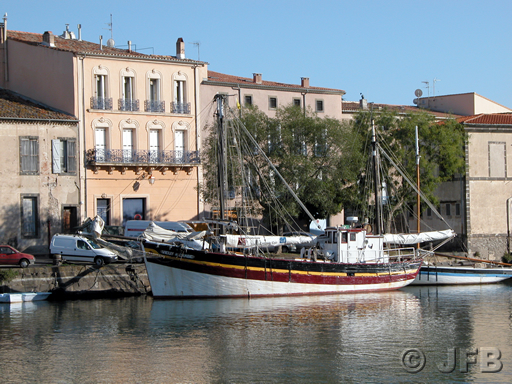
(154,106)
(104,103)
(183,108)
(128,105)
(123,157)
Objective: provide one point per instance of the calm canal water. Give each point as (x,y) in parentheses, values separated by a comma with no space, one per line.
(330,339)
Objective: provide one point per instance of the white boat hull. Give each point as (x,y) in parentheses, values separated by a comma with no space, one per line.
(23,297)
(460,275)
(169,282)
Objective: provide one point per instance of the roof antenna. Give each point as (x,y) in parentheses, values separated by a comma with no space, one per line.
(110,42)
(197,44)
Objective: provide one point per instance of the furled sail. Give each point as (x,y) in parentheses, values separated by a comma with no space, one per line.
(156,233)
(246,241)
(415,238)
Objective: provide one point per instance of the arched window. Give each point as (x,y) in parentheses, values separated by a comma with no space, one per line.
(128,101)
(153,102)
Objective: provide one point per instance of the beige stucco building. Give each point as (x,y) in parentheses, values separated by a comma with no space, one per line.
(488,185)
(39,189)
(138,146)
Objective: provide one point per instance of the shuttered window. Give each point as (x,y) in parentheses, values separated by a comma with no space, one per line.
(29,156)
(64,156)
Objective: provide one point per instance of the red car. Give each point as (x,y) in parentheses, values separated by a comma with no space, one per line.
(10,256)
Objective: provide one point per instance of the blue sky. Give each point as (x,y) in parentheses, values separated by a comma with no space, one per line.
(383,49)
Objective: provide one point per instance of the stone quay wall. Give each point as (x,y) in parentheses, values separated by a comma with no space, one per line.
(78,281)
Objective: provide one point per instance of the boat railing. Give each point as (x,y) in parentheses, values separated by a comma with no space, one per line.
(399,254)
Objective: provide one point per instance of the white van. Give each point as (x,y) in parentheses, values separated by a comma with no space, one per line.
(79,248)
(135,228)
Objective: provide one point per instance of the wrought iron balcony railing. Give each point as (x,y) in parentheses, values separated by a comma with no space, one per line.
(154,106)
(137,157)
(180,108)
(128,105)
(101,103)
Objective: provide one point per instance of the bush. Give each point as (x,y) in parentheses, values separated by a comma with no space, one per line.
(7,275)
(507,258)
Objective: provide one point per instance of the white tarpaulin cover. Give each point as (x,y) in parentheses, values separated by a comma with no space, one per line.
(415,238)
(243,241)
(192,240)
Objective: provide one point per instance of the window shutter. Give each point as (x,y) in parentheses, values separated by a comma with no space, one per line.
(71,149)
(56,155)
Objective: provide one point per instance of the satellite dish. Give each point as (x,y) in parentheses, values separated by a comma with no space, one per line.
(111,43)
(418,93)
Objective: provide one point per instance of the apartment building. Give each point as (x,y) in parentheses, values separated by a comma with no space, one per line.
(138,143)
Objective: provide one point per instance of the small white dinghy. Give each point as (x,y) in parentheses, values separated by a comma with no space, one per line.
(23,297)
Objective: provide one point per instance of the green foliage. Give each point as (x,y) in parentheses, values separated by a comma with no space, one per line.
(507,258)
(7,275)
(441,148)
(317,157)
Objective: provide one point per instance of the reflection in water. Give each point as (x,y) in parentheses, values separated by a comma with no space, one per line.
(341,338)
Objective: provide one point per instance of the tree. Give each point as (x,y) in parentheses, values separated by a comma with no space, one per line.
(441,149)
(318,158)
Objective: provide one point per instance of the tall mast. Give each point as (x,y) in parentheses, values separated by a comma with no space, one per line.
(418,210)
(377,186)
(222,155)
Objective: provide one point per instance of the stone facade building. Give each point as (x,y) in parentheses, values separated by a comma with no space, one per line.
(40,175)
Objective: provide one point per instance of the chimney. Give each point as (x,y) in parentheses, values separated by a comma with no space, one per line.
(49,39)
(256,78)
(180,48)
(79,26)
(3,30)
(129,46)
(363,104)
(304,82)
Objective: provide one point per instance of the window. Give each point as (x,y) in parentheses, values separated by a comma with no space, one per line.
(103,210)
(128,101)
(272,102)
(29,155)
(180,104)
(101,99)
(296,102)
(128,145)
(154,145)
(448,208)
(319,105)
(247,100)
(134,209)
(64,155)
(457,209)
(497,159)
(101,144)
(29,216)
(153,102)
(179,146)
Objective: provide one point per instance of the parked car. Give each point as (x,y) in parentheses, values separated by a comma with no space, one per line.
(290,248)
(11,256)
(80,248)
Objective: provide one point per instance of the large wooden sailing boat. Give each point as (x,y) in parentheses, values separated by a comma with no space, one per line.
(341,260)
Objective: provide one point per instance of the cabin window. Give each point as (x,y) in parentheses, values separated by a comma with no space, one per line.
(352,237)
(344,237)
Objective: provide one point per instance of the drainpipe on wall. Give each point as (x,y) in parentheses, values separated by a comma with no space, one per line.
(304,101)
(508,224)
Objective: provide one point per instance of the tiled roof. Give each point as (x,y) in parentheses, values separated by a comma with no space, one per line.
(353,106)
(223,78)
(487,119)
(13,105)
(85,47)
